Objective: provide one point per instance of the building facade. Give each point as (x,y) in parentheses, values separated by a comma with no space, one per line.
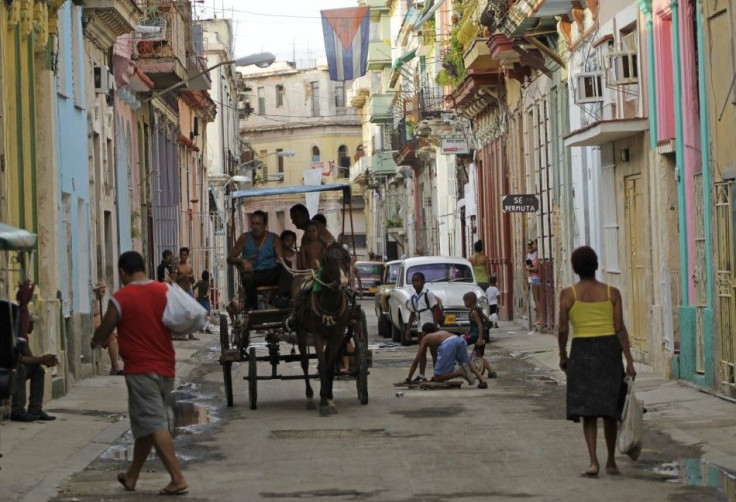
(304,113)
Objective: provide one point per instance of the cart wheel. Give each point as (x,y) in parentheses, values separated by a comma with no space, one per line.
(224,335)
(228,377)
(361,362)
(252,379)
(364,322)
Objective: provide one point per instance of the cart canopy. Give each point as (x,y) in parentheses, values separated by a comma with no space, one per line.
(16,239)
(292,190)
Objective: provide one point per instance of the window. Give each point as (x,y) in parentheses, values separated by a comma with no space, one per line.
(315,99)
(264,166)
(280,159)
(279,96)
(315,154)
(339,95)
(343,162)
(610,221)
(589,88)
(261,101)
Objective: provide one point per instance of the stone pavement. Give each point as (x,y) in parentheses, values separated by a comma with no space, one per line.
(38,456)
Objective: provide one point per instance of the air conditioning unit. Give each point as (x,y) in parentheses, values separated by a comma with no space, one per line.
(623,67)
(104,80)
(589,87)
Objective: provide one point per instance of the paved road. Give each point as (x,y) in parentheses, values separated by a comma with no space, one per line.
(507,442)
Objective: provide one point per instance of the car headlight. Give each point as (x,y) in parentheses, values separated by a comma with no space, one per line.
(483,301)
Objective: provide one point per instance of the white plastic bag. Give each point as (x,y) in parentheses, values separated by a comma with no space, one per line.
(631,429)
(183,314)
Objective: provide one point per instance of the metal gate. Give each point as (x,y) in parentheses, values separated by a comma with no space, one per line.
(165,230)
(205,234)
(726,283)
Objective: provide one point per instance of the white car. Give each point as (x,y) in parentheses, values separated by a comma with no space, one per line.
(449,279)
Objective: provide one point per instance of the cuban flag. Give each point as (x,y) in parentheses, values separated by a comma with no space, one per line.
(346,41)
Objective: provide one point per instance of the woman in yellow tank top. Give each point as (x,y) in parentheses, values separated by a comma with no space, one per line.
(595,372)
(479,260)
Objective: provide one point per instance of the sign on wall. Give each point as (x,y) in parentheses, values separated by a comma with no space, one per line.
(520,203)
(454,146)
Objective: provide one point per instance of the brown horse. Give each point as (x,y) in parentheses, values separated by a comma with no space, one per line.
(324,314)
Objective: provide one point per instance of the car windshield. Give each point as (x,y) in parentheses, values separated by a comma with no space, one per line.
(392,273)
(370,269)
(441,272)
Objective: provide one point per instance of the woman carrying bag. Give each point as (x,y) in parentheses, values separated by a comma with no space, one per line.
(595,373)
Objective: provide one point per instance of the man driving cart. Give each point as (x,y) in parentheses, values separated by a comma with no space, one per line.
(257,255)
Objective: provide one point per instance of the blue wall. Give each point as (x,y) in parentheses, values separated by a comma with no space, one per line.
(71,122)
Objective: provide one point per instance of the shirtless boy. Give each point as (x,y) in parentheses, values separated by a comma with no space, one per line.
(450,349)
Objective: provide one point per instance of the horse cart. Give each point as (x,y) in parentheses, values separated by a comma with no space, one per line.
(324,322)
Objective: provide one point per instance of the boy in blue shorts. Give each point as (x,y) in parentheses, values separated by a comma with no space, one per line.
(449,349)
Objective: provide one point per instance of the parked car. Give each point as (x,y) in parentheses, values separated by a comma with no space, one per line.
(371,273)
(449,279)
(390,273)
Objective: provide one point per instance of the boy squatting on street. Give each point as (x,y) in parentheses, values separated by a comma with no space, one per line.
(450,348)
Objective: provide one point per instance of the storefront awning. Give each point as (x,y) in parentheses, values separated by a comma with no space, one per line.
(605,131)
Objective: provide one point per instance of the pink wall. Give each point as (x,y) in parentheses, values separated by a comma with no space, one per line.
(691,126)
(662,25)
(689,105)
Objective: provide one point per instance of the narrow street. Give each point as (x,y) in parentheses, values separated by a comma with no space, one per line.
(505,443)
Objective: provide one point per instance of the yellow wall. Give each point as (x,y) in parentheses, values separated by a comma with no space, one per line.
(301,144)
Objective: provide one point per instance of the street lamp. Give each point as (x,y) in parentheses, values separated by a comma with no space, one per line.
(261,60)
(238,178)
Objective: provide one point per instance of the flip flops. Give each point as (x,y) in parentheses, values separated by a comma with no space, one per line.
(180,491)
(121,480)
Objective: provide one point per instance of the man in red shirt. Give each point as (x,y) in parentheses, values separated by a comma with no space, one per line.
(148,353)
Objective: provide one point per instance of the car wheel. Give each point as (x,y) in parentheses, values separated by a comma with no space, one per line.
(405,340)
(384,327)
(395,333)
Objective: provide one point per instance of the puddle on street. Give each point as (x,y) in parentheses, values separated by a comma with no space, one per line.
(699,472)
(188,418)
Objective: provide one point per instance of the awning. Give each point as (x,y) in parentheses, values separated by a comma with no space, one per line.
(605,131)
(16,239)
(291,190)
(404,59)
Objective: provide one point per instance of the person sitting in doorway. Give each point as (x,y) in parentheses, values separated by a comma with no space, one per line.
(30,367)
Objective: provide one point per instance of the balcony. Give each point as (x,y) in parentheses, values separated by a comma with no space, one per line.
(381,108)
(359,91)
(383,164)
(197,62)
(360,170)
(379,55)
(525,14)
(106,20)
(431,102)
(479,57)
(162,53)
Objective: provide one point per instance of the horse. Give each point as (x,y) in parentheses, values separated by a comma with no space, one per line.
(324,314)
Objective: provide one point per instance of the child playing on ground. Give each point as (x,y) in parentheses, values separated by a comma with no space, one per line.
(450,349)
(492,293)
(477,331)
